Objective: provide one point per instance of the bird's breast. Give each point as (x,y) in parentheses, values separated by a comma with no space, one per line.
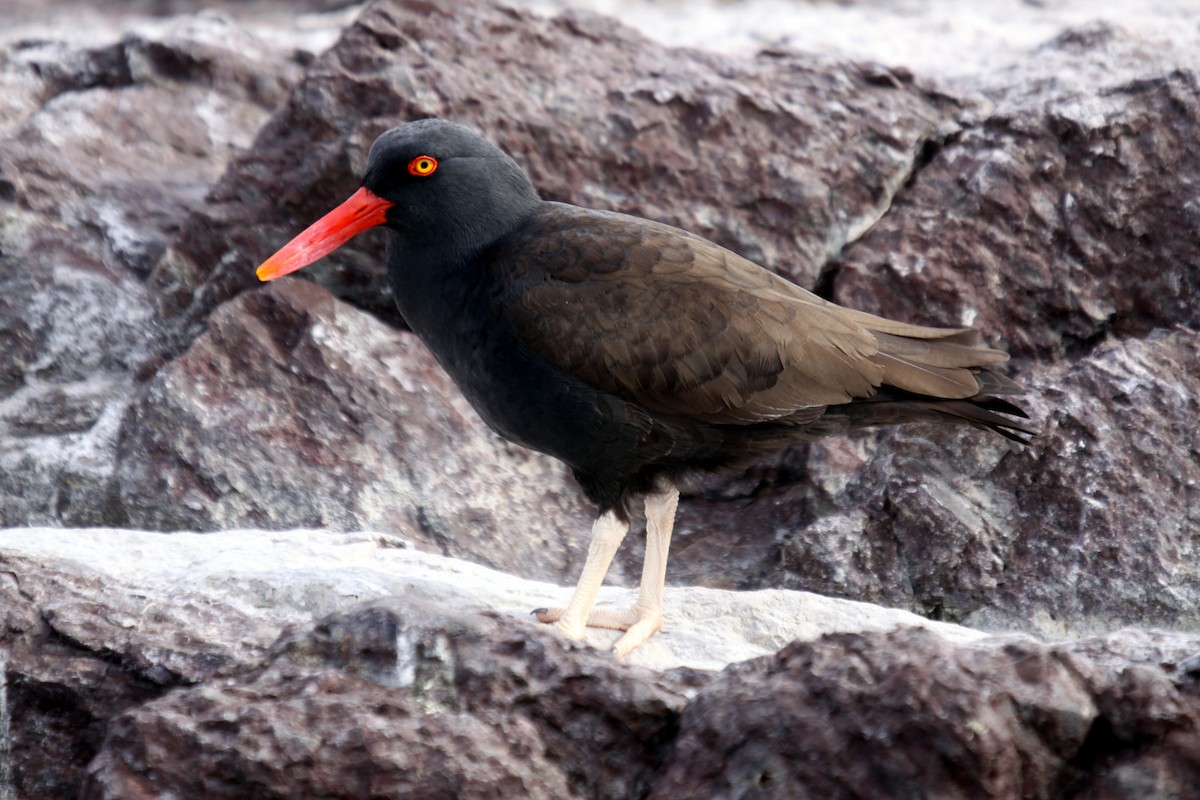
(515,391)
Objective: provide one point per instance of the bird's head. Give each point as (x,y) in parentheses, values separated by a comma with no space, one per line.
(438,185)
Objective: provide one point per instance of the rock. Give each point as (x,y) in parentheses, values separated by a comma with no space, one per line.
(961,48)
(906,715)
(259,581)
(1061,218)
(309,25)
(947,524)
(380,702)
(296,410)
(99,622)
(308,664)
(1057,219)
(928,520)
(1108,500)
(81,223)
(782,157)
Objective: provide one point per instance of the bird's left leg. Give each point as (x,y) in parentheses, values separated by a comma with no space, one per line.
(607,534)
(645,618)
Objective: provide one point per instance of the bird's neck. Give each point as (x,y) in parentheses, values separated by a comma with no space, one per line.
(431,286)
(440,272)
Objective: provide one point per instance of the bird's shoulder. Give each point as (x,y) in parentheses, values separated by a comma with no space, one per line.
(572,245)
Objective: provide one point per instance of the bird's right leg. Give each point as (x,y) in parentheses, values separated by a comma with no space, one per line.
(607,534)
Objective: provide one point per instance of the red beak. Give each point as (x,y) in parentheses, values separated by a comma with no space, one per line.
(363,210)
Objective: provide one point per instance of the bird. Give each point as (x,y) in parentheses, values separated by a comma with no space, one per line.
(637,353)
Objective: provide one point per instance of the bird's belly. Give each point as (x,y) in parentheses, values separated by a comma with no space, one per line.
(532,405)
(613,447)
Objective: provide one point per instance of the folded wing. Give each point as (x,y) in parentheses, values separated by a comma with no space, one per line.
(682,326)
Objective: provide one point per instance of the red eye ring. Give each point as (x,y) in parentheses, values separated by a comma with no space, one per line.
(422,166)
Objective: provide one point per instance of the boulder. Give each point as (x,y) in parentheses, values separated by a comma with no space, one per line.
(903,714)
(303,664)
(95,178)
(97,623)
(294,409)
(1056,217)
(933,521)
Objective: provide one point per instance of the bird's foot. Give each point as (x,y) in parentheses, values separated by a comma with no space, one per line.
(638,625)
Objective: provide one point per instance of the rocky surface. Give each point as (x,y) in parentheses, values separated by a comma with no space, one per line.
(904,715)
(97,622)
(1043,189)
(1037,219)
(82,222)
(294,409)
(468,709)
(317,664)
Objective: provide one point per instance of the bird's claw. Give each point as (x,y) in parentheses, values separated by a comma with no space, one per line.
(637,625)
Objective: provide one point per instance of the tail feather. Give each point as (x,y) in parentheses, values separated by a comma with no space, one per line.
(923,379)
(891,406)
(940,375)
(989,414)
(949,352)
(934,362)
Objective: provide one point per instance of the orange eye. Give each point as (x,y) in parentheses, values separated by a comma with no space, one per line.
(422,166)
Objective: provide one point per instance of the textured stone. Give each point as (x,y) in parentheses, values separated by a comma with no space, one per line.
(154,664)
(94,623)
(296,410)
(905,715)
(781,157)
(386,701)
(81,223)
(1059,218)
(138,662)
(934,521)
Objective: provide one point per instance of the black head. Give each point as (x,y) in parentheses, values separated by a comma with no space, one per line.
(449,187)
(444,190)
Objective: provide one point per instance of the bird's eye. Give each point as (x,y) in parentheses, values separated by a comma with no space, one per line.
(422,166)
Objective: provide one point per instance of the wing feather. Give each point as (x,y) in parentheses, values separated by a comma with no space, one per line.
(681,326)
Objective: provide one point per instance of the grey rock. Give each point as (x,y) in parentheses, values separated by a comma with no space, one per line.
(387,701)
(96,623)
(1062,215)
(297,410)
(344,665)
(95,177)
(904,715)
(782,157)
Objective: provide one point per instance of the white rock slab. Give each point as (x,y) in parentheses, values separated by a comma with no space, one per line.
(300,576)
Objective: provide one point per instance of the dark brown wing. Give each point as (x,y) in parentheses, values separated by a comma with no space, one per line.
(675,323)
